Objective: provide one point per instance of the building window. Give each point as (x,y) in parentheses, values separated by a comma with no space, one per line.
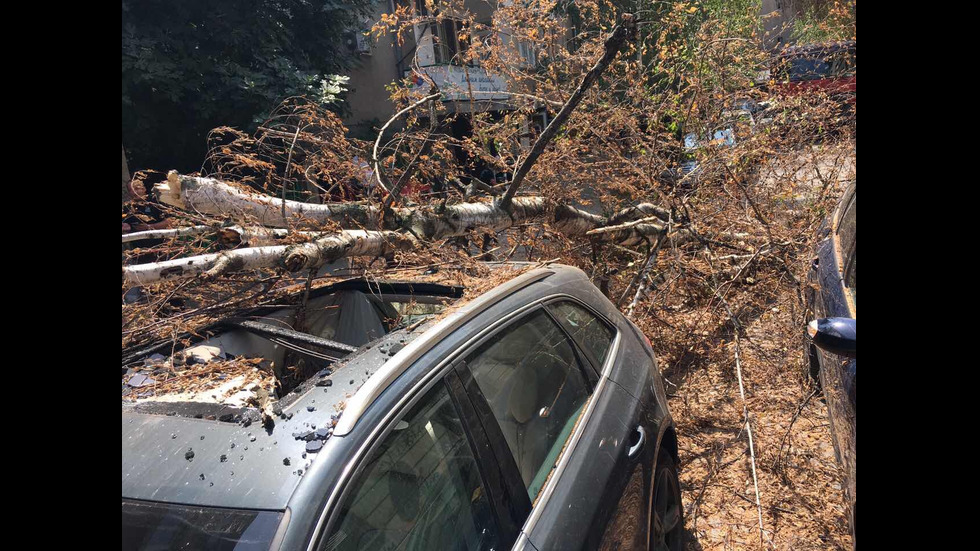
(449,38)
(527,53)
(451,42)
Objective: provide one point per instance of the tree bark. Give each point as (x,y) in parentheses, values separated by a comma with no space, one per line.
(210,196)
(231,237)
(290,257)
(640,232)
(434,223)
(180,268)
(404,227)
(164,234)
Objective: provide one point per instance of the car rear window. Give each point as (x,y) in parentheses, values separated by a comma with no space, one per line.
(808,68)
(156,526)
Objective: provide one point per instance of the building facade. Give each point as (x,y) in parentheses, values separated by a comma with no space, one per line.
(432,50)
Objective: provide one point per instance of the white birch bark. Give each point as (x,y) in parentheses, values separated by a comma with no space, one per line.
(180,268)
(460,219)
(210,196)
(290,257)
(164,234)
(231,237)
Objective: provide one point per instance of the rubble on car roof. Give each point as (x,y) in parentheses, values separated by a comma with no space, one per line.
(204,374)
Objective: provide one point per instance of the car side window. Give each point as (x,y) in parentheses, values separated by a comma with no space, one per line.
(847,234)
(421,488)
(847,226)
(534,384)
(587,329)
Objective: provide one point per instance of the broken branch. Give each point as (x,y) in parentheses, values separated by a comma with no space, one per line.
(290,257)
(210,196)
(623,31)
(164,234)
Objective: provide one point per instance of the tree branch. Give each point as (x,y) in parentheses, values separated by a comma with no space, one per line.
(623,32)
(307,256)
(375,161)
(210,196)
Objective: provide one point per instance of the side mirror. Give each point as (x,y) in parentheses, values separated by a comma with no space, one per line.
(835,335)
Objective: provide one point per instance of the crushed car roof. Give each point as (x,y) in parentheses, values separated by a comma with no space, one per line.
(231,455)
(242,462)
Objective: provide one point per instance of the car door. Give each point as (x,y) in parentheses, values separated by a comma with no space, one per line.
(560,433)
(837,266)
(623,520)
(842,375)
(428,482)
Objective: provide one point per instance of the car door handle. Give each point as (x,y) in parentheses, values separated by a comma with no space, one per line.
(634,450)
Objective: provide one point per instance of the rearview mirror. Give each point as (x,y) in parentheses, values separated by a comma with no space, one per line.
(835,335)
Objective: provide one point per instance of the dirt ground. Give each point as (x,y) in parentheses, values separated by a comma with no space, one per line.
(799,482)
(800,485)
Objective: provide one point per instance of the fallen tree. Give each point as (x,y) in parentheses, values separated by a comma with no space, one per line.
(414,226)
(304,256)
(367,230)
(213,197)
(700,263)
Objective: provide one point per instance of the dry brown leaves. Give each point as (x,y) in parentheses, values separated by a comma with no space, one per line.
(231,382)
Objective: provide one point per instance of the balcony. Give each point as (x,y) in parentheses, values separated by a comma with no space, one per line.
(455,82)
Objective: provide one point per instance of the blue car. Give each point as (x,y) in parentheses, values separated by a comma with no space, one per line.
(832,304)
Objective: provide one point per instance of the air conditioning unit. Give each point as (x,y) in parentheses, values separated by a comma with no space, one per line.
(357,42)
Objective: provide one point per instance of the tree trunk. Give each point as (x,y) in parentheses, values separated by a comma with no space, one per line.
(404,226)
(210,196)
(290,257)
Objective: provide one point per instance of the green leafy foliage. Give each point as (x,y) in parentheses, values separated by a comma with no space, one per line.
(827,21)
(192,65)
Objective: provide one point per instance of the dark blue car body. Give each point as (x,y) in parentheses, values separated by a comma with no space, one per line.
(832,293)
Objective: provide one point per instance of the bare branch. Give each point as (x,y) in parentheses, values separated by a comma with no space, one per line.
(623,32)
(376,162)
(165,234)
(306,256)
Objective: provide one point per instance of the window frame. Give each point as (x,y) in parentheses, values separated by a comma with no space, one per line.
(443,45)
(845,211)
(511,505)
(591,375)
(523,504)
(597,364)
(843,256)
(476,438)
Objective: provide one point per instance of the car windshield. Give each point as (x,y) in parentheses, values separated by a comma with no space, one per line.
(808,68)
(157,526)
